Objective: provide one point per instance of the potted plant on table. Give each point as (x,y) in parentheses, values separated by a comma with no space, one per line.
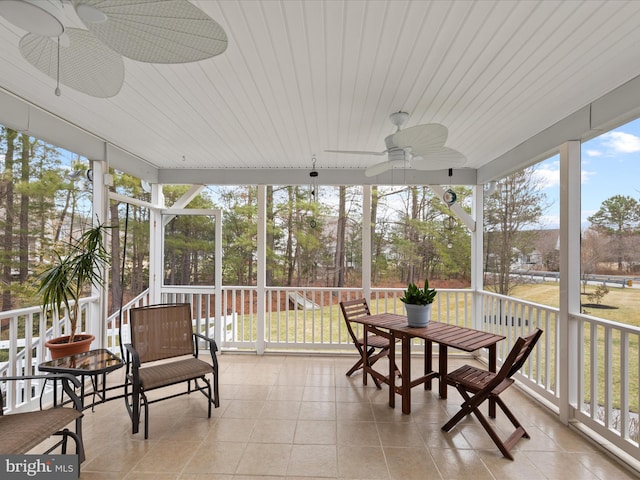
(62,284)
(417,301)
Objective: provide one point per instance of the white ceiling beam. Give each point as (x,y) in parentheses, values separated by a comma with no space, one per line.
(291,176)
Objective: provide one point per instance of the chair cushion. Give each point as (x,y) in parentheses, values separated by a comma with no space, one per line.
(168,373)
(20,432)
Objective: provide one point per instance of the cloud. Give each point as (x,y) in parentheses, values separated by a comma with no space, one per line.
(585,175)
(548,174)
(621,142)
(549,221)
(593,153)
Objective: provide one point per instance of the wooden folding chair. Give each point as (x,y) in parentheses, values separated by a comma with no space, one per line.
(484,385)
(378,346)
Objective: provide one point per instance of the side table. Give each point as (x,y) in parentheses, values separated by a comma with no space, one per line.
(94,363)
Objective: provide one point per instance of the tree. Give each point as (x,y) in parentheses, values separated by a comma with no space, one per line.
(7,244)
(339,257)
(592,248)
(619,217)
(518,203)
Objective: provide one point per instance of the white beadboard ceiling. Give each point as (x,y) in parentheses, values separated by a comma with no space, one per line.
(300,77)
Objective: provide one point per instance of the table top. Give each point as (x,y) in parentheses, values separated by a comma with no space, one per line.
(462,338)
(86,363)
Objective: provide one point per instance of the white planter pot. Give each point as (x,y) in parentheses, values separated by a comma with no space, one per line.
(418,315)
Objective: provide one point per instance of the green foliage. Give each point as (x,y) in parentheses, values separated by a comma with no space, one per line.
(598,294)
(415,295)
(62,283)
(617,214)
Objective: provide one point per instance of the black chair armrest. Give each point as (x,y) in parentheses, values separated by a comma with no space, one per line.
(132,356)
(213,347)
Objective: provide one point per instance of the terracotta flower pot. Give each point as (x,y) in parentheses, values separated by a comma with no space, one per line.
(60,346)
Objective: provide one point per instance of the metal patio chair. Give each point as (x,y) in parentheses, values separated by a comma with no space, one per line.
(164,352)
(21,432)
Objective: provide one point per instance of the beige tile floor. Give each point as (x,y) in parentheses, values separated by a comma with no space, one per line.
(300,417)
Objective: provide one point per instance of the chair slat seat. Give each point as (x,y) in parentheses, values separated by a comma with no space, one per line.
(375,341)
(474,379)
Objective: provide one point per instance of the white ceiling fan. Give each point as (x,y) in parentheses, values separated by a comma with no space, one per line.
(421,146)
(90,61)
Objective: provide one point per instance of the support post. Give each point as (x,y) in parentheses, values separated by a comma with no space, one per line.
(567,364)
(98,312)
(261,279)
(477,256)
(366,242)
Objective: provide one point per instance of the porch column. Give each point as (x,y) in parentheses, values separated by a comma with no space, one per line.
(569,277)
(477,256)
(155,245)
(366,242)
(98,311)
(261,279)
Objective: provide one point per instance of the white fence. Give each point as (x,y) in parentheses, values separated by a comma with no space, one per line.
(604,371)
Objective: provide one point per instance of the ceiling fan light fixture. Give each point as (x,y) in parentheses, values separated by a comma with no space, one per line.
(42,17)
(90,14)
(399,119)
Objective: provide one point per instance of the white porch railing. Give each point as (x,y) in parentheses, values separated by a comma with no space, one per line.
(604,393)
(22,348)
(604,378)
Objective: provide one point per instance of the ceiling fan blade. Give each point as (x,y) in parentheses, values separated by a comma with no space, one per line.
(440,159)
(378,168)
(86,64)
(423,139)
(356,152)
(171,31)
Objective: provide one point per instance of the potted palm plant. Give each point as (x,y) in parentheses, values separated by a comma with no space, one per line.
(62,284)
(417,301)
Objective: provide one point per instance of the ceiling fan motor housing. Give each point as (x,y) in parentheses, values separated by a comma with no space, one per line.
(397,155)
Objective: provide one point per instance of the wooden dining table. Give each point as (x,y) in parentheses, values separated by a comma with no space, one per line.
(445,335)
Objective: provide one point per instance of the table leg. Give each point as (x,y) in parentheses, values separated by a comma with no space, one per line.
(82,391)
(406,374)
(493,353)
(365,360)
(428,363)
(392,372)
(442,362)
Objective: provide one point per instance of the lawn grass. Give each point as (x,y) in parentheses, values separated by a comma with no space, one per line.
(626,301)
(326,326)
(626,308)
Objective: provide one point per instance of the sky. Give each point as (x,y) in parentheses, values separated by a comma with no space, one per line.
(610,166)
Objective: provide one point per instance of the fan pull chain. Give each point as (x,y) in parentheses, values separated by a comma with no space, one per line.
(57,90)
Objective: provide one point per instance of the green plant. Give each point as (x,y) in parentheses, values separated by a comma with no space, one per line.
(598,294)
(62,283)
(414,295)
